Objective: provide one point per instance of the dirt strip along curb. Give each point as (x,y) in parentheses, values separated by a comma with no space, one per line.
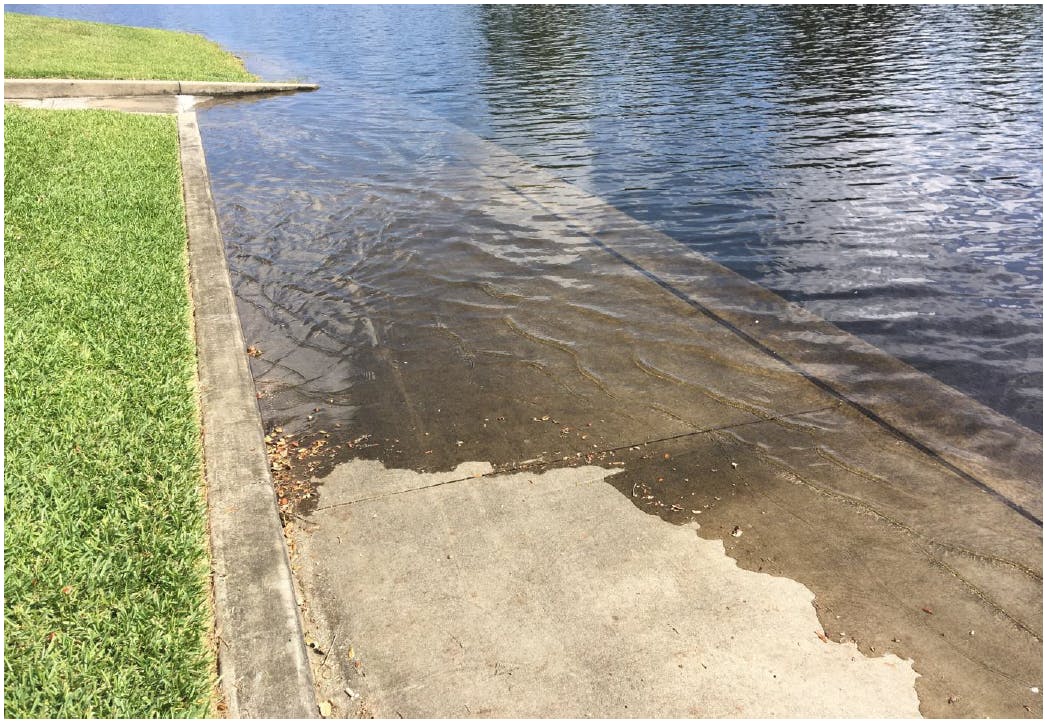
(262,659)
(73,88)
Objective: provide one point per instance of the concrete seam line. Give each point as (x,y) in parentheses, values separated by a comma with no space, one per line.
(263,662)
(517,468)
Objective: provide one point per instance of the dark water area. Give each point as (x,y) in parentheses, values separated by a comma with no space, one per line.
(880,166)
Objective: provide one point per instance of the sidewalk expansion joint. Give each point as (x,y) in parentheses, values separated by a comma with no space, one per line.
(539,463)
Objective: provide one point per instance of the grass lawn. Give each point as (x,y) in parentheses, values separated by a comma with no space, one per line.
(39,47)
(106,574)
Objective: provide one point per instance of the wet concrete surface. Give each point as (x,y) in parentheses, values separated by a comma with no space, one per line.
(902,553)
(956,587)
(506,317)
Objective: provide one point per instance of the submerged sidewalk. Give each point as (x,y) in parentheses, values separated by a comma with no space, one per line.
(562,541)
(558,540)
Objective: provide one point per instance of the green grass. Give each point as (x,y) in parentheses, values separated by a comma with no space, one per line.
(106,575)
(39,47)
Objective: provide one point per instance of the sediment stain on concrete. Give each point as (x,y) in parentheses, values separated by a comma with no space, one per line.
(467,593)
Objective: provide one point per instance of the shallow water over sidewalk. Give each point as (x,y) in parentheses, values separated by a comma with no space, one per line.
(432,275)
(503,315)
(880,165)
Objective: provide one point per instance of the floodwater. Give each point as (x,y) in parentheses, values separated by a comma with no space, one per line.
(880,166)
(503,241)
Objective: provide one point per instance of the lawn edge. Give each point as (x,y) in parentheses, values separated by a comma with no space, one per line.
(217,702)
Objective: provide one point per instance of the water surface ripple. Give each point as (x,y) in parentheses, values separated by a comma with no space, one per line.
(881,166)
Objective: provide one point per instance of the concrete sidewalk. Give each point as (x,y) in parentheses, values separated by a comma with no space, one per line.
(41,88)
(547,592)
(582,562)
(550,595)
(134,96)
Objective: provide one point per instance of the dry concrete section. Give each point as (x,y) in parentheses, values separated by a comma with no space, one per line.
(134,96)
(151,104)
(466,594)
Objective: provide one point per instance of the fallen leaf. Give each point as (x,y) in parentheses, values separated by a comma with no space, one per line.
(325,709)
(927,610)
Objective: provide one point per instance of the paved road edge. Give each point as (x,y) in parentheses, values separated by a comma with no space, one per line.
(263,663)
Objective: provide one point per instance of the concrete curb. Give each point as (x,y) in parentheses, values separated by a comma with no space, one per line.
(262,658)
(71,88)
